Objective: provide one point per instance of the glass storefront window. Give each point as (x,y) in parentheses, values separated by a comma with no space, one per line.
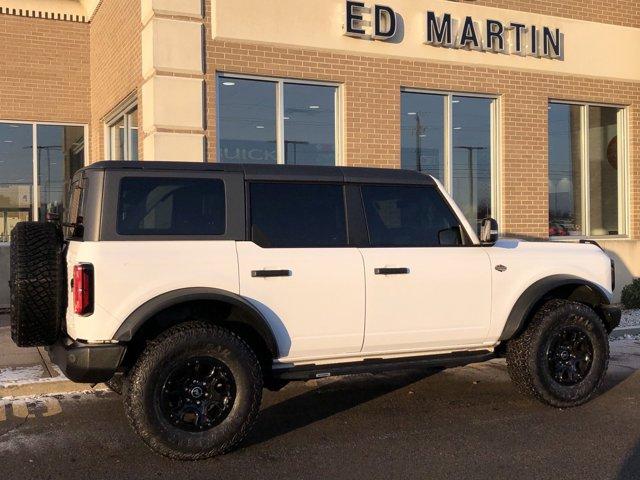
(471,157)
(59,153)
(565,170)
(603,171)
(246,120)
(583,154)
(423,133)
(16,176)
(309,124)
(450,137)
(276,121)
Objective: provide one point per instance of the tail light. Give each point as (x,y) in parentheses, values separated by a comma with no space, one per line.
(83,289)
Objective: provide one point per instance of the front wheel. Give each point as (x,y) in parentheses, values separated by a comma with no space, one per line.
(562,356)
(194,392)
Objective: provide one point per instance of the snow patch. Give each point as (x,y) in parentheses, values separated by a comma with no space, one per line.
(14,376)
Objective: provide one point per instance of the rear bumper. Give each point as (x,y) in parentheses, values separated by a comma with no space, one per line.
(611,315)
(84,362)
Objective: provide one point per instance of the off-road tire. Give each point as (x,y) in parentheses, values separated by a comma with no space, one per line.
(174,347)
(116,383)
(527,354)
(37,283)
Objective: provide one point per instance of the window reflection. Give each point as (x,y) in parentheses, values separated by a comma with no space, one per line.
(309,124)
(471,157)
(565,171)
(16,176)
(247,120)
(60,155)
(582,154)
(422,132)
(603,170)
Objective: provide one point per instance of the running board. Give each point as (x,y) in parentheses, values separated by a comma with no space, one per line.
(377,365)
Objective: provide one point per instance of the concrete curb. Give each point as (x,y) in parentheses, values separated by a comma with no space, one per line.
(622,331)
(36,389)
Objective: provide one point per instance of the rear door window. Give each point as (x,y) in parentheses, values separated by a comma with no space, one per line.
(409,216)
(171,206)
(297,215)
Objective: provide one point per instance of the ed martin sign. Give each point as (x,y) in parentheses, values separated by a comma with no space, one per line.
(380,22)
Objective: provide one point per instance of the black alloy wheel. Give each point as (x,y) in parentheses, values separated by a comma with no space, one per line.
(198,394)
(570,355)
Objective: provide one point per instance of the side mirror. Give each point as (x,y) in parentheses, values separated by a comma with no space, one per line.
(489,231)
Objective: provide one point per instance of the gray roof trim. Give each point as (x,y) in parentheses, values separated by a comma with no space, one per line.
(300,173)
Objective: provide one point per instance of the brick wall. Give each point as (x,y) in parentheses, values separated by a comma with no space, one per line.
(372,85)
(116,69)
(615,12)
(44,68)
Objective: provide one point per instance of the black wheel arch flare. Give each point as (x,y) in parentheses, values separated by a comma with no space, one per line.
(253,318)
(567,287)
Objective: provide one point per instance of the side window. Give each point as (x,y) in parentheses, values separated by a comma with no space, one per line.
(171,206)
(409,216)
(290,215)
(74,213)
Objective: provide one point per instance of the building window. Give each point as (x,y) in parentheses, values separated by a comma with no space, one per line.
(33,181)
(453,137)
(587,165)
(122,133)
(277,121)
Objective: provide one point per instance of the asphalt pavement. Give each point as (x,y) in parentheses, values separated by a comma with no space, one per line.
(462,423)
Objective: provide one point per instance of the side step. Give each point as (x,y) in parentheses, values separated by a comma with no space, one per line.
(377,365)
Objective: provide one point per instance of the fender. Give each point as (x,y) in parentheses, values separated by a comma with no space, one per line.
(537,291)
(254,318)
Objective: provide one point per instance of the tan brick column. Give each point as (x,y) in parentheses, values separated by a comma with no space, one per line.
(173,80)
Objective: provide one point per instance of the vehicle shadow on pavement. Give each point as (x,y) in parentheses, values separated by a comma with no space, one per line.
(630,469)
(330,398)
(623,363)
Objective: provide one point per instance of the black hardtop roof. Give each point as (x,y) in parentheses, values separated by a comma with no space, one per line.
(278,172)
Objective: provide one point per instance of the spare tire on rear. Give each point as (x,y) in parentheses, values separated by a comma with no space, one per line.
(37,283)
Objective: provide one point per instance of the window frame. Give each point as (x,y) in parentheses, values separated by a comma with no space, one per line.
(623,170)
(122,111)
(234,205)
(35,192)
(495,127)
(280,83)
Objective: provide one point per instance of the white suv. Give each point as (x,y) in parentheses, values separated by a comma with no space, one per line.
(188,287)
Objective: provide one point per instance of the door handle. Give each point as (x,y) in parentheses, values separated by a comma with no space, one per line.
(271,273)
(392,271)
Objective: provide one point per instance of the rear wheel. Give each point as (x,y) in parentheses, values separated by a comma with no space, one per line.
(116,383)
(194,392)
(37,283)
(562,357)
